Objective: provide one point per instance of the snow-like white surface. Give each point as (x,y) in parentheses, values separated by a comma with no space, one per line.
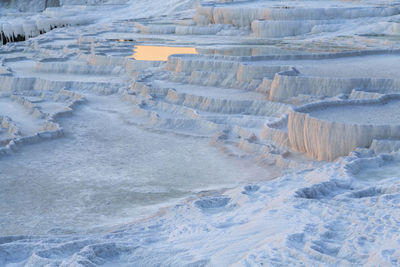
(383,66)
(384,114)
(206,159)
(105,174)
(326,215)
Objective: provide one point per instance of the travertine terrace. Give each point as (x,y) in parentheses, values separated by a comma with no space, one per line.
(307,91)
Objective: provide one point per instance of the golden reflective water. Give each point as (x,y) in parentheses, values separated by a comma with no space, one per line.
(159,53)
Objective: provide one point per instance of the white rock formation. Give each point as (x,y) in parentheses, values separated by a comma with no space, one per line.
(325,139)
(287,85)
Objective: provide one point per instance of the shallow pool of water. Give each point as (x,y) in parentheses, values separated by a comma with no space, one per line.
(386,171)
(159,53)
(107,171)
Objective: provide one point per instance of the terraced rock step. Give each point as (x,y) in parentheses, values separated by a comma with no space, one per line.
(333,129)
(94,136)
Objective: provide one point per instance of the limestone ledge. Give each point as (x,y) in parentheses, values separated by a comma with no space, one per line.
(327,140)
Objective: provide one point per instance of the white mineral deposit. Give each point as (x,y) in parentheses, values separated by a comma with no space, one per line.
(199,133)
